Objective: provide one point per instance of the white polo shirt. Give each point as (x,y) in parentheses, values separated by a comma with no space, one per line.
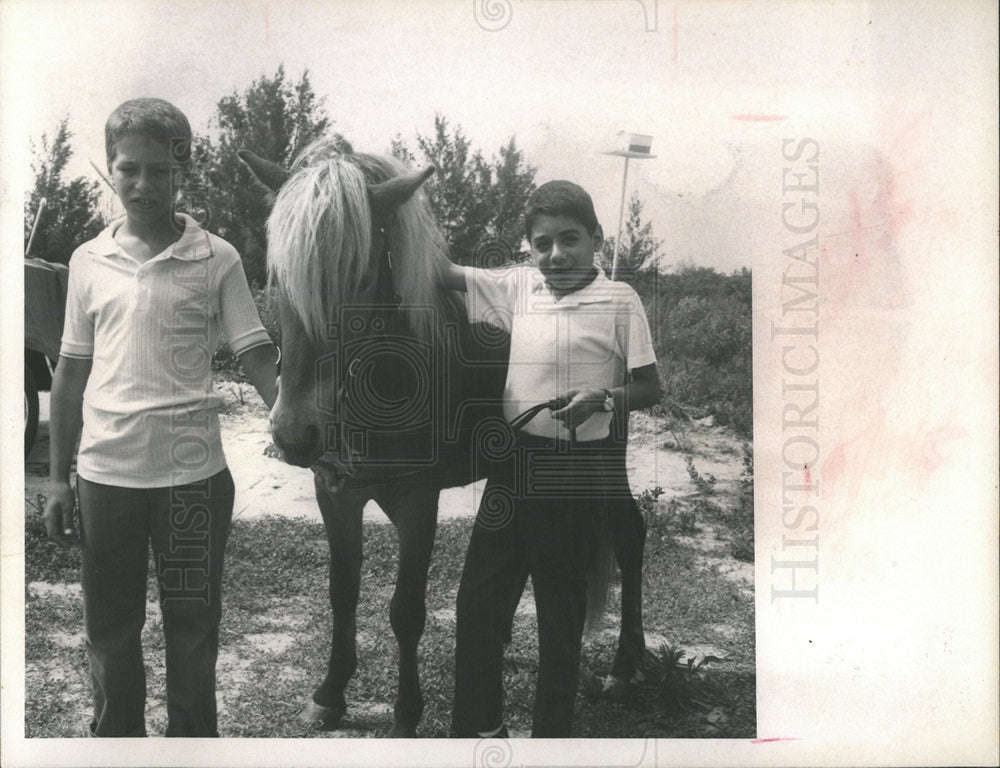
(150,414)
(588,339)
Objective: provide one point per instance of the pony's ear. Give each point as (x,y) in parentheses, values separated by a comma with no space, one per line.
(392,193)
(271,175)
(342,145)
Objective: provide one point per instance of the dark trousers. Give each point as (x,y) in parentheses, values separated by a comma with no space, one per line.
(187,527)
(543,515)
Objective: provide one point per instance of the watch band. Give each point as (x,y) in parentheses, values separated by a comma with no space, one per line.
(609,400)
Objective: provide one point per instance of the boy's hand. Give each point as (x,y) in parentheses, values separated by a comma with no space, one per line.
(579,406)
(58,515)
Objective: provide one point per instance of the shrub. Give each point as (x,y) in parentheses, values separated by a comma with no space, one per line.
(701,322)
(680,687)
(704,483)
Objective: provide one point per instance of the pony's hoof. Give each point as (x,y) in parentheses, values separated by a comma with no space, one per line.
(315,715)
(402,731)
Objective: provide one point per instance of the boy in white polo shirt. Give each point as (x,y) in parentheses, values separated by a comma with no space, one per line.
(583,340)
(147,301)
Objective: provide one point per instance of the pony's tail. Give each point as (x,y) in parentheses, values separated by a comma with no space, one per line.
(599,582)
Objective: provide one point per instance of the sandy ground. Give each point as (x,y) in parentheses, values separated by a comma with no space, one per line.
(267,486)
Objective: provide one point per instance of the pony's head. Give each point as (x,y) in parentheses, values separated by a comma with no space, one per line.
(353,258)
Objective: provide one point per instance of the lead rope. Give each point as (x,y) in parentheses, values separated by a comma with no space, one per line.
(522,419)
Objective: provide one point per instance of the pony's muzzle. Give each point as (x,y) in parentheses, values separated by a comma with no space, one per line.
(301,450)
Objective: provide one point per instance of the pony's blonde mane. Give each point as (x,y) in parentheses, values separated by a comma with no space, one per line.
(319,239)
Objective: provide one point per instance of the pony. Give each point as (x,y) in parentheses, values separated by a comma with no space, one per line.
(386,390)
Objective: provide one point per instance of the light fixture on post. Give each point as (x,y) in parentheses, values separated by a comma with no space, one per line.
(629,146)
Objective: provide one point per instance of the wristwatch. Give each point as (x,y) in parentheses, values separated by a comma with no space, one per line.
(609,400)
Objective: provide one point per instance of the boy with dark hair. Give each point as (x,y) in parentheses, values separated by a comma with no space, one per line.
(580,339)
(147,301)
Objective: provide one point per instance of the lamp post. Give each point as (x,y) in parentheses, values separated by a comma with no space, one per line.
(630,145)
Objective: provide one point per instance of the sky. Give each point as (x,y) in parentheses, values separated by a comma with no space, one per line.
(716,84)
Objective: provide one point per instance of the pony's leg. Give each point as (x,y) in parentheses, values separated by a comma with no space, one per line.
(342,515)
(413,510)
(628,531)
(628,534)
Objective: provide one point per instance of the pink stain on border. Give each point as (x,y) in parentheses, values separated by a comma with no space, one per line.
(771,741)
(755,118)
(931,458)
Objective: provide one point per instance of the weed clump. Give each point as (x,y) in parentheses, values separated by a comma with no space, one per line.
(741,515)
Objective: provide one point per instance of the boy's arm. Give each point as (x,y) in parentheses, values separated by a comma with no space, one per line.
(642,391)
(452,277)
(261,365)
(65,420)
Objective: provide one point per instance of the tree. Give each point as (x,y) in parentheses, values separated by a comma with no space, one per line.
(276,119)
(477,203)
(639,249)
(514,181)
(71,215)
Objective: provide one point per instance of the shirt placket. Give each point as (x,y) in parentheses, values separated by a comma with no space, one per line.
(140,289)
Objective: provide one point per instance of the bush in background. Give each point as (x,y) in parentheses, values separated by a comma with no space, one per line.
(701,323)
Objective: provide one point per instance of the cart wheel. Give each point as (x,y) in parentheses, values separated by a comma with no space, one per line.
(30,409)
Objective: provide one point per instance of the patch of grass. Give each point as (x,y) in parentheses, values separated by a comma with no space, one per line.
(276,582)
(741,515)
(685,592)
(44,560)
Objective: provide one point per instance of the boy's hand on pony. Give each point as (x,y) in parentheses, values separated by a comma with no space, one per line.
(578,405)
(59,509)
